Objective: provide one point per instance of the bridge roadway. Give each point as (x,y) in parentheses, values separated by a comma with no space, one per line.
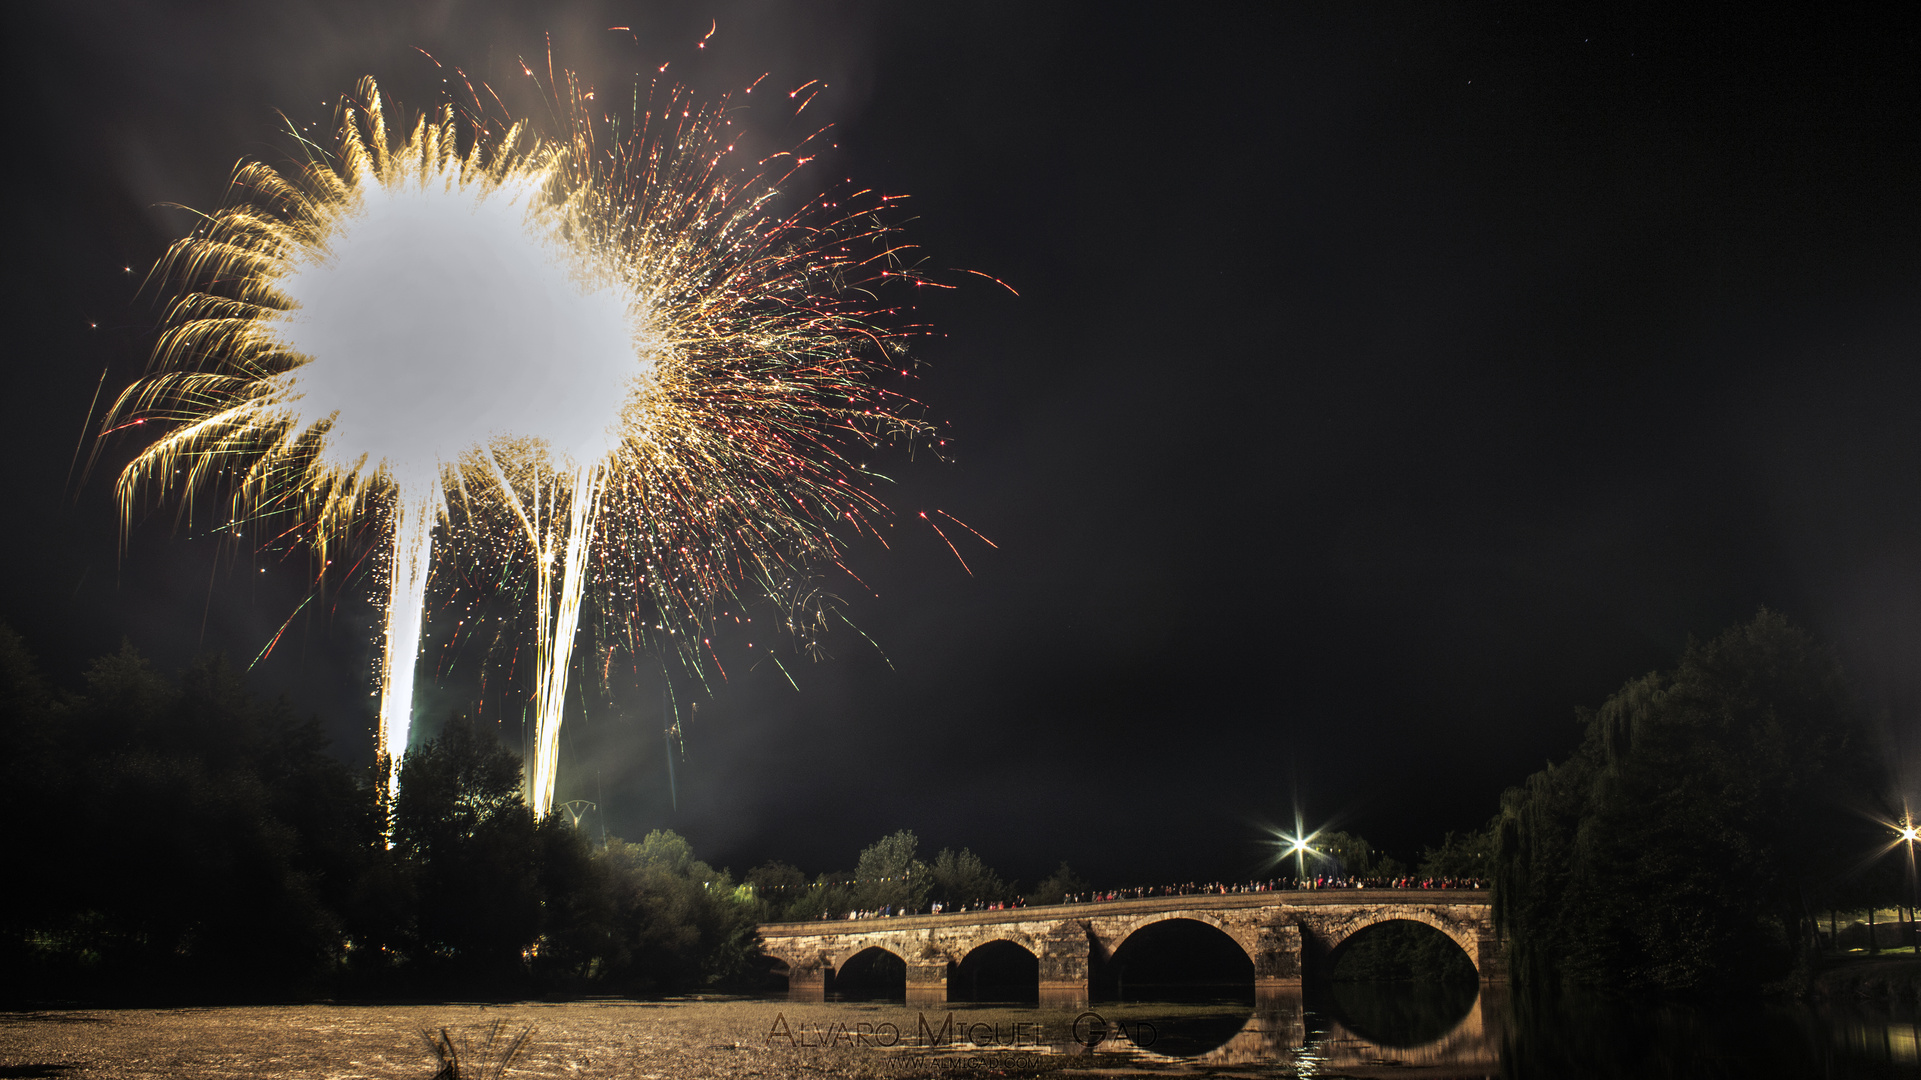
(1286,935)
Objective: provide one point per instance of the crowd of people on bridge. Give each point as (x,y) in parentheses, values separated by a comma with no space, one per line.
(935,908)
(1190,888)
(890,910)
(1280,884)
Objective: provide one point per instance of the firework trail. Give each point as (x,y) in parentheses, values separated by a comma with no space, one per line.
(617,344)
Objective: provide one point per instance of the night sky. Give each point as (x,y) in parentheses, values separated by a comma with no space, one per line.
(1383,385)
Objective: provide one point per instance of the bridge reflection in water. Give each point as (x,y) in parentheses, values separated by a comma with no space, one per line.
(1220,979)
(1406,1030)
(1280,1028)
(1284,1027)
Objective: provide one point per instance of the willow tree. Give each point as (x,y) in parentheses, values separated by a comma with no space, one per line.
(1708,814)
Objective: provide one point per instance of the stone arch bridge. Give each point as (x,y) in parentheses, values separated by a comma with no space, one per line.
(1287,935)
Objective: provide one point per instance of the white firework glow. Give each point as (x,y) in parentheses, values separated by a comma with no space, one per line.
(621,351)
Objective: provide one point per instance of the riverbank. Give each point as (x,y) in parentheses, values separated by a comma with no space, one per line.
(697,1039)
(1382,1031)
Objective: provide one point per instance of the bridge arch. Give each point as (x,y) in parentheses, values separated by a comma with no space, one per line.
(1174,955)
(881,945)
(1012,935)
(1128,929)
(997,969)
(781,967)
(876,969)
(1338,934)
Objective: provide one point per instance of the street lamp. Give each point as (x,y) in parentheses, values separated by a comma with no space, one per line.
(1909,832)
(1300,845)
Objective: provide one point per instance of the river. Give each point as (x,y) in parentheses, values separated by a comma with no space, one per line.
(1349,1030)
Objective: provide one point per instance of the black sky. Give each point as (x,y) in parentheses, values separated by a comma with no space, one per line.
(1384,383)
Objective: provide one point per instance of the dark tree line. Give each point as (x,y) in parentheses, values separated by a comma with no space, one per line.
(888,875)
(1709,819)
(183,839)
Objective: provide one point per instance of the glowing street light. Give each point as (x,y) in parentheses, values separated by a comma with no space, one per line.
(1300,845)
(1908,832)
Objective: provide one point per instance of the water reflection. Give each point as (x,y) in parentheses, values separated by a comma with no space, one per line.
(1584,1037)
(1281,1029)
(1867,1033)
(1403,1029)
(1162,1030)
(1401,1014)
(1375,1029)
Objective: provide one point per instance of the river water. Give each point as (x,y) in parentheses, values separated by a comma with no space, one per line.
(1367,1030)
(1350,1030)
(1433,1031)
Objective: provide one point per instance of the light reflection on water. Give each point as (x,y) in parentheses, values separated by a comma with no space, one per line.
(1385,1029)
(1897,1042)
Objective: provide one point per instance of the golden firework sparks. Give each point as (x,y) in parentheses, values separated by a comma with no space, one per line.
(618,345)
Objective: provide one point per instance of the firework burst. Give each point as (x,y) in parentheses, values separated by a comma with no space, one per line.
(614,343)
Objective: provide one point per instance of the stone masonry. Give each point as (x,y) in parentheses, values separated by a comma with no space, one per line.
(1287,935)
